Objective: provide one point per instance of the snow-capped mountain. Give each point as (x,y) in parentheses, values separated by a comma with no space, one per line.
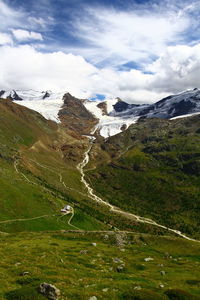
(111,121)
(46,103)
(114,115)
(175,105)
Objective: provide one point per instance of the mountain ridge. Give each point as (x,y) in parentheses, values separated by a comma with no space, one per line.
(110,116)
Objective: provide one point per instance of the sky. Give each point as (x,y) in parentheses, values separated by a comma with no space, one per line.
(138,50)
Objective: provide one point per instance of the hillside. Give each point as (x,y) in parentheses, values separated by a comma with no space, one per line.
(111,116)
(39,176)
(107,265)
(98,249)
(38,173)
(152,169)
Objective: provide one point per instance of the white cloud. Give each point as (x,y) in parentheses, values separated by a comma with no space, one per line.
(9,16)
(110,38)
(39,22)
(5,39)
(131,35)
(25,35)
(27,68)
(177,69)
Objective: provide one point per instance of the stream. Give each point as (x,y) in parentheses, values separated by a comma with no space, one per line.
(112,208)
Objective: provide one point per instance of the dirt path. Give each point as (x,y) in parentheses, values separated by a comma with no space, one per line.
(27,219)
(115,209)
(61,181)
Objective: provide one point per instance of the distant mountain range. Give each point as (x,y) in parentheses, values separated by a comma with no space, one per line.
(112,115)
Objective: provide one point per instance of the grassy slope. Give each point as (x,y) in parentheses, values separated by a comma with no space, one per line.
(80,275)
(39,158)
(47,155)
(33,144)
(154,171)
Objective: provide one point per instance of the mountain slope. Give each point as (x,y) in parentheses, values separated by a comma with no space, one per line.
(112,115)
(41,158)
(153,169)
(38,175)
(114,269)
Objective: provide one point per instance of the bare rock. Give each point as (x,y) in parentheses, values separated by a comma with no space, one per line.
(83,251)
(162,273)
(24,273)
(148,259)
(49,290)
(117,260)
(120,268)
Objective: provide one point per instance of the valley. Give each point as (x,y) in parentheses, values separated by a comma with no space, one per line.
(134,194)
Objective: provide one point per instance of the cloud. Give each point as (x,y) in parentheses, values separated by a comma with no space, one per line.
(39,22)
(5,39)
(24,67)
(13,18)
(25,35)
(160,42)
(177,69)
(9,17)
(122,36)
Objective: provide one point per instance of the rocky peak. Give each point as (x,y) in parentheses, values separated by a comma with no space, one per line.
(14,96)
(47,94)
(121,105)
(75,116)
(1,93)
(103,107)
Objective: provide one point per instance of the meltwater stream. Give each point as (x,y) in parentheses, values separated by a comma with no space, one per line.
(113,208)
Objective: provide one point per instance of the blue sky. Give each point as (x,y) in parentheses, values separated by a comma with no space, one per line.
(138,50)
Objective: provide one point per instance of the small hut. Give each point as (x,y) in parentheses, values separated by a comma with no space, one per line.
(66,210)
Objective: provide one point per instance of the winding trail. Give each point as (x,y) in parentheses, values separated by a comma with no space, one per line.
(113,208)
(70,219)
(51,169)
(28,219)
(44,216)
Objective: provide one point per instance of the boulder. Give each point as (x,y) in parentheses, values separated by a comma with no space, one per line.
(162,273)
(49,291)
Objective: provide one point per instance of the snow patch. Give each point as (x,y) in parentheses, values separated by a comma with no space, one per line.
(110,124)
(185,116)
(48,107)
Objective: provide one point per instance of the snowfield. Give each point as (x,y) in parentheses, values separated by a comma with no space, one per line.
(111,124)
(112,120)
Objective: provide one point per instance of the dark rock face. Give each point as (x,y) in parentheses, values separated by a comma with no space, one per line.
(146,110)
(14,96)
(103,107)
(75,116)
(173,106)
(46,95)
(181,108)
(121,106)
(1,93)
(49,291)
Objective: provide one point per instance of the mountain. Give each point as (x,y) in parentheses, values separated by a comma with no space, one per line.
(152,168)
(46,103)
(173,106)
(75,116)
(111,116)
(133,223)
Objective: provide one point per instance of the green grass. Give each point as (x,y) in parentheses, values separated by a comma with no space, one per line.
(32,143)
(154,171)
(59,259)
